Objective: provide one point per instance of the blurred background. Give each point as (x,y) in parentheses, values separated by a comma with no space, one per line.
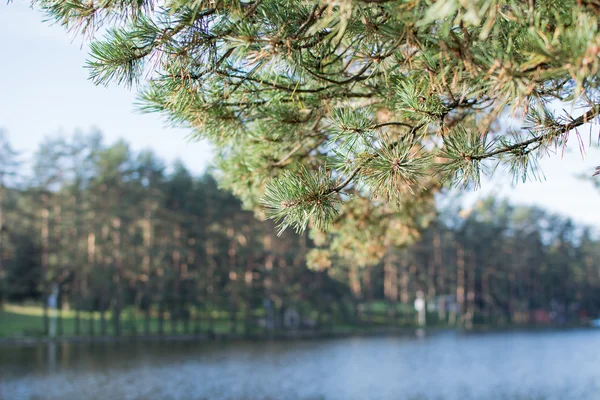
(111,226)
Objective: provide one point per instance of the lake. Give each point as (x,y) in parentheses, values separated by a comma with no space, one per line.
(500,366)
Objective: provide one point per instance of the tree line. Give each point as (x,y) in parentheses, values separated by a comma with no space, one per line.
(129,244)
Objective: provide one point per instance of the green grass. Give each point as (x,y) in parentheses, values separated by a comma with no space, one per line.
(19,325)
(27,321)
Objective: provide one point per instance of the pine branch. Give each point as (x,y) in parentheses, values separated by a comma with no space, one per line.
(347,181)
(555,131)
(385,76)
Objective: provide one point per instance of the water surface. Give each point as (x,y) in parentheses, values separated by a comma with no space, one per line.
(507,366)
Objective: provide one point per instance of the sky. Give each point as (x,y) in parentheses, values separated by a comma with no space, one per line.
(45,91)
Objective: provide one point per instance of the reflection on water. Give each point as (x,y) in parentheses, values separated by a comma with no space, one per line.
(515,366)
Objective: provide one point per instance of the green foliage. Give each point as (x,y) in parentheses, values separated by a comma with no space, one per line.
(463,152)
(390,96)
(295,198)
(396,169)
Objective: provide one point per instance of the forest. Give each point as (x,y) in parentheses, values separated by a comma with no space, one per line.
(128,244)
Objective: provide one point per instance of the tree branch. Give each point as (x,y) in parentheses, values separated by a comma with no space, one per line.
(556,131)
(346,182)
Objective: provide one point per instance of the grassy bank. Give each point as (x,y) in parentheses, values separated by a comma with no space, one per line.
(18,321)
(27,321)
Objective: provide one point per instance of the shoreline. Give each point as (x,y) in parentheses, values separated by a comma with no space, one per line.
(206,337)
(281,336)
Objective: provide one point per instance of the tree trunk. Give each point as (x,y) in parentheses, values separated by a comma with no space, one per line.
(102,317)
(59,319)
(369,297)
(431,281)
(233,300)
(117,317)
(186,315)
(511,298)
(248,283)
(161,317)
(354,281)
(3,289)
(460,277)
(391,283)
(485,295)
(91,253)
(269,263)
(118,276)
(211,285)
(45,251)
(176,295)
(404,283)
(147,318)
(440,282)
(78,316)
(173,313)
(472,279)
(91,323)
(147,246)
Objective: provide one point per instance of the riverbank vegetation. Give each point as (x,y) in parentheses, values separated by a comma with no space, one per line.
(122,243)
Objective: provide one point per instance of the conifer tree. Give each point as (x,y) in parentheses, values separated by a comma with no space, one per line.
(314,105)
